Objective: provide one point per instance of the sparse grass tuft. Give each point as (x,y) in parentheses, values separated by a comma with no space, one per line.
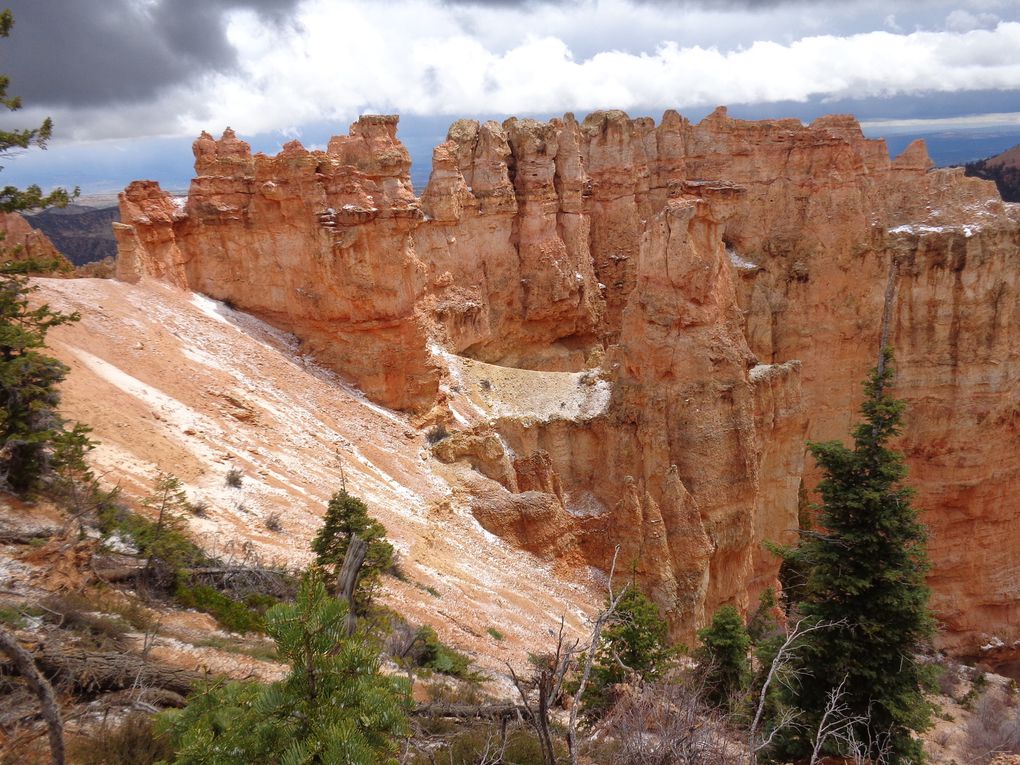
(235,477)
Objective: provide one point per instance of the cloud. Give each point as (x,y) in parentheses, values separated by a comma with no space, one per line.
(427,65)
(262,66)
(961,20)
(117,51)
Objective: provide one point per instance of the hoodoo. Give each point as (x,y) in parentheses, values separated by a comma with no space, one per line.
(631,330)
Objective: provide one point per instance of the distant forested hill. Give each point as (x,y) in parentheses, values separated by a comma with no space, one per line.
(1004,169)
(82,234)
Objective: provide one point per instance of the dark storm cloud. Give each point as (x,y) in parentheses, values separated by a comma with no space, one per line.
(70,53)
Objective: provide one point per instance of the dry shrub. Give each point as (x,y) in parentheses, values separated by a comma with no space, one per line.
(995,727)
(77,612)
(951,681)
(665,723)
(62,566)
(481,743)
(132,741)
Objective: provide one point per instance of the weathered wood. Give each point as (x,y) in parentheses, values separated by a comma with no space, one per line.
(222,577)
(26,667)
(357,549)
(98,671)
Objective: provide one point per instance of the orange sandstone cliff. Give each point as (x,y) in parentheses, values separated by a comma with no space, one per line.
(630,330)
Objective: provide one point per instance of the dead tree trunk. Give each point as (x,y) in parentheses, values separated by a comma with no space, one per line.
(348,577)
(25,666)
(92,672)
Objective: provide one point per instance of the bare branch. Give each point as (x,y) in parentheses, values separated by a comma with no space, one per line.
(596,637)
(25,665)
(780,661)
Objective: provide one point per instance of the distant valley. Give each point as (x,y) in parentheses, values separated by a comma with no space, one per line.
(82,233)
(1004,169)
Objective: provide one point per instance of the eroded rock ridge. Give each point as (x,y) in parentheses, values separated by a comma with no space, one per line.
(631,329)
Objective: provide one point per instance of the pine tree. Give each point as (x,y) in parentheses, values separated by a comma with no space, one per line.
(29,422)
(866,566)
(28,379)
(334,707)
(346,516)
(634,643)
(723,653)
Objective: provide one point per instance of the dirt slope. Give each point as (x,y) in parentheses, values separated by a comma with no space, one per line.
(177,382)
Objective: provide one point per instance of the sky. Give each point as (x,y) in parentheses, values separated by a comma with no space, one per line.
(129,83)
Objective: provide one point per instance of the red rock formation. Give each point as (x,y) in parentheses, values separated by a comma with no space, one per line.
(316,242)
(19,242)
(690,267)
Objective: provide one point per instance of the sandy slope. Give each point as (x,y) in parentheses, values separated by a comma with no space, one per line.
(176,382)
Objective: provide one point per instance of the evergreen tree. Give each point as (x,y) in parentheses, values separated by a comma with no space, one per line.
(635,642)
(163,541)
(28,379)
(346,516)
(334,707)
(866,576)
(29,422)
(723,653)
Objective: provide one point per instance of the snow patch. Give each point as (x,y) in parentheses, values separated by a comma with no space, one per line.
(739,262)
(968,230)
(209,307)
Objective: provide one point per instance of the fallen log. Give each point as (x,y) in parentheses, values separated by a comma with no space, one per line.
(91,672)
(238,579)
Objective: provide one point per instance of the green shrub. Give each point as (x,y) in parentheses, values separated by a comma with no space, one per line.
(162,540)
(334,706)
(434,654)
(12,617)
(495,633)
(234,615)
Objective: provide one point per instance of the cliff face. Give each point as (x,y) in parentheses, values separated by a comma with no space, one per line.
(633,328)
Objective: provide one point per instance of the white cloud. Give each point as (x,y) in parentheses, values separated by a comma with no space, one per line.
(343,57)
(416,58)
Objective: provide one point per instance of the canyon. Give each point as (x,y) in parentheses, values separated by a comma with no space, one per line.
(614,338)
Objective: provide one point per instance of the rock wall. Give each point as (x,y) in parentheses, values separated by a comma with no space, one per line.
(722,283)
